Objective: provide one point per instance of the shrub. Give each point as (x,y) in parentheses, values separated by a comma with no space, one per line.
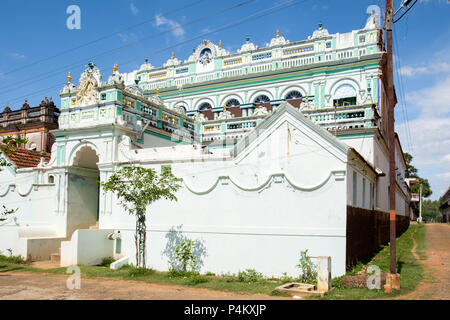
(184,256)
(195,279)
(308,269)
(13,259)
(174,273)
(106,262)
(139,272)
(249,275)
(285,278)
(336,282)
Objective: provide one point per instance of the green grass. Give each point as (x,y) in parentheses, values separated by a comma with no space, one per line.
(410,269)
(230,283)
(250,281)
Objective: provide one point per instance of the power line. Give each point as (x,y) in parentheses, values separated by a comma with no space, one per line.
(76,64)
(403,97)
(101,38)
(407,10)
(261,13)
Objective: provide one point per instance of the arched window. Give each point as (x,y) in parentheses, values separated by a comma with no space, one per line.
(205,106)
(232,103)
(293,95)
(51,179)
(261,99)
(345,95)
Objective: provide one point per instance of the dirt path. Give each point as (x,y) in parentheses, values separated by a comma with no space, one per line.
(437,262)
(18,286)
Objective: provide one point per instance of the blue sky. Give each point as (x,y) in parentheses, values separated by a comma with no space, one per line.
(38,50)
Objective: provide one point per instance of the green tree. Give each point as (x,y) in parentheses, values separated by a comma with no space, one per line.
(137,188)
(431,210)
(414,173)
(7,146)
(415,187)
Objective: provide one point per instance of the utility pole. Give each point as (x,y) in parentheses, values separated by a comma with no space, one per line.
(393,279)
(420,203)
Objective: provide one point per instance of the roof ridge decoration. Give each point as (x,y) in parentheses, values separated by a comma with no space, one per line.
(69,87)
(146,66)
(90,79)
(172,61)
(373,22)
(278,40)
(214,51)
(116,77)
(247,46)
(319,33)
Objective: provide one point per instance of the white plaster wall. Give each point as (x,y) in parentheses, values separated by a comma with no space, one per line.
(80,249)
(247,218)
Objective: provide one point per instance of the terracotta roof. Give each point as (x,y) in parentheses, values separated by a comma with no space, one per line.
(24,158)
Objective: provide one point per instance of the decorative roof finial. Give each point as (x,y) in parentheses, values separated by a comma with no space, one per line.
(146,60)
(320,25)
(247,38)
(115,67)
(278,33)
(91,65)
(69,77)
(220,43)
(173,54)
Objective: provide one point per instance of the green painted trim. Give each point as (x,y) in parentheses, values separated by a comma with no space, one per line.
(269,78)
(356,136)
(162,137)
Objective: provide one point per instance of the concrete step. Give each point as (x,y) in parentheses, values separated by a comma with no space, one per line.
(55,257)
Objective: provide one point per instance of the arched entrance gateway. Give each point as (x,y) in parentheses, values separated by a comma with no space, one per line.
(83,190)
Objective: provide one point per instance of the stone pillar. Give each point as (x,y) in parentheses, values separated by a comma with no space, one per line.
(323,273)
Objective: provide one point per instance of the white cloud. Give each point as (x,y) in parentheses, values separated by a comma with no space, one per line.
(17,56)
(175,27)
(432,100)
(432,68)
(430,134)
(128,37)
(134,9)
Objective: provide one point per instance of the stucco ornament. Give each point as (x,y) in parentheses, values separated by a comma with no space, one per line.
(172,61)
(156,100)
(205,58)
(278,40)
(146,66)
(116,77)
(90,79)
(135,89)
(305,105)
(320,33)
(225,114)
(200,117)
(69,87)
(247,46)
(260,111)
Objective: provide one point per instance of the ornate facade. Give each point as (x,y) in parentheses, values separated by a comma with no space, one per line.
(32,123)
(272,144)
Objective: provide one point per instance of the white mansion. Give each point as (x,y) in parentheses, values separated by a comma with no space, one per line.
(275,145)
